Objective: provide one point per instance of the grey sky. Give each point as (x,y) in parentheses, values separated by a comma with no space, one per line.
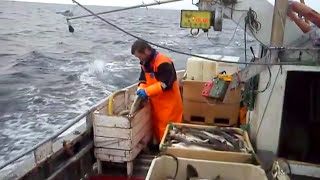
(185,4)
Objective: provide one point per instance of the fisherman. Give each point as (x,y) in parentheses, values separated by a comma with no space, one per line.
(158,82)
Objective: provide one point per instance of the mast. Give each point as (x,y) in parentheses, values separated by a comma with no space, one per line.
(278,22)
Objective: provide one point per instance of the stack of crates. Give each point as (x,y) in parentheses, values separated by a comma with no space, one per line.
(205,111)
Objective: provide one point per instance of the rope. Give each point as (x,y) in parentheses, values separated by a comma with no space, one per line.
(180,52)
(253,24)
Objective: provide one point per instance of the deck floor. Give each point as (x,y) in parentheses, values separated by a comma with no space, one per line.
(117,171)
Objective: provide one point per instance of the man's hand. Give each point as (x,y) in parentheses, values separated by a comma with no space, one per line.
(142,93)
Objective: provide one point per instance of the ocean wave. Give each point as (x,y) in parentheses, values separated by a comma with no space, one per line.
(5,55)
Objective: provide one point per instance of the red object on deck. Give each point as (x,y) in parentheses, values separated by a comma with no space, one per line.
(111,178)
(207,88)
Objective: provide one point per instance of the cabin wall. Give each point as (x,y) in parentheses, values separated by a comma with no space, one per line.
(269,133)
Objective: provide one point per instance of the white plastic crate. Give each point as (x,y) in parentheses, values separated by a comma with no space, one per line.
(165,167)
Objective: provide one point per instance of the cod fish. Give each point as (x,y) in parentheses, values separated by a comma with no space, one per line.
(136,105)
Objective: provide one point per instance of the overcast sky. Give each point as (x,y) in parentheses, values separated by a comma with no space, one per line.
(185,4)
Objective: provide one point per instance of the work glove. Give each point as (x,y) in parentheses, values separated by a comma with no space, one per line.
(142,93)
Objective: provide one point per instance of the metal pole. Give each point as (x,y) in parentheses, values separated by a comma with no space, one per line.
(126,8)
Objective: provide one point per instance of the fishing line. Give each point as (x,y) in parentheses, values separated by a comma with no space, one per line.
(180,52)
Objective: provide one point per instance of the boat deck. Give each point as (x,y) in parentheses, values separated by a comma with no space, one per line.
(118,171)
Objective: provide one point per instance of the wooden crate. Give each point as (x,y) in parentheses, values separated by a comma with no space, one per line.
(207,111)
(119,138)
(204,154)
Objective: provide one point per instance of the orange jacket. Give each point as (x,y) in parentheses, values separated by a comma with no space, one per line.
(160,83)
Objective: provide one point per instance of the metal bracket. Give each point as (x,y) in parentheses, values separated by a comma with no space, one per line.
(218,17)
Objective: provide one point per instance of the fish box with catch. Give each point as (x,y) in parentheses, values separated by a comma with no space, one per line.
(208,143)
(170,168)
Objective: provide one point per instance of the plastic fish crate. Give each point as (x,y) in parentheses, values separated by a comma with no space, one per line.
(164,167)
(208,154)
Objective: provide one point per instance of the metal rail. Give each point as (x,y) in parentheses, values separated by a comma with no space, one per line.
(126,8)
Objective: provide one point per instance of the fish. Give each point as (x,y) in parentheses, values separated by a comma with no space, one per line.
(204,136)
(193,138)
(239,137)
(220,147)
(212,138)
(136,105)
(191,172)
(216,139)
(219,138)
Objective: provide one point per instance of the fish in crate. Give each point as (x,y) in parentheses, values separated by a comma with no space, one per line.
(203,142)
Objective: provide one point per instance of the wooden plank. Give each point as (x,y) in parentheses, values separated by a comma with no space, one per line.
(43,152)
(209,113)
(145,131)
(135,151)
(110,158)
(114,152)
(141,119)
(121,155)
(111,121)
(112,143)
(102,110)
(117,155)
(209,155)
(125,144)
(249,72)
(119,103)
(113,132)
